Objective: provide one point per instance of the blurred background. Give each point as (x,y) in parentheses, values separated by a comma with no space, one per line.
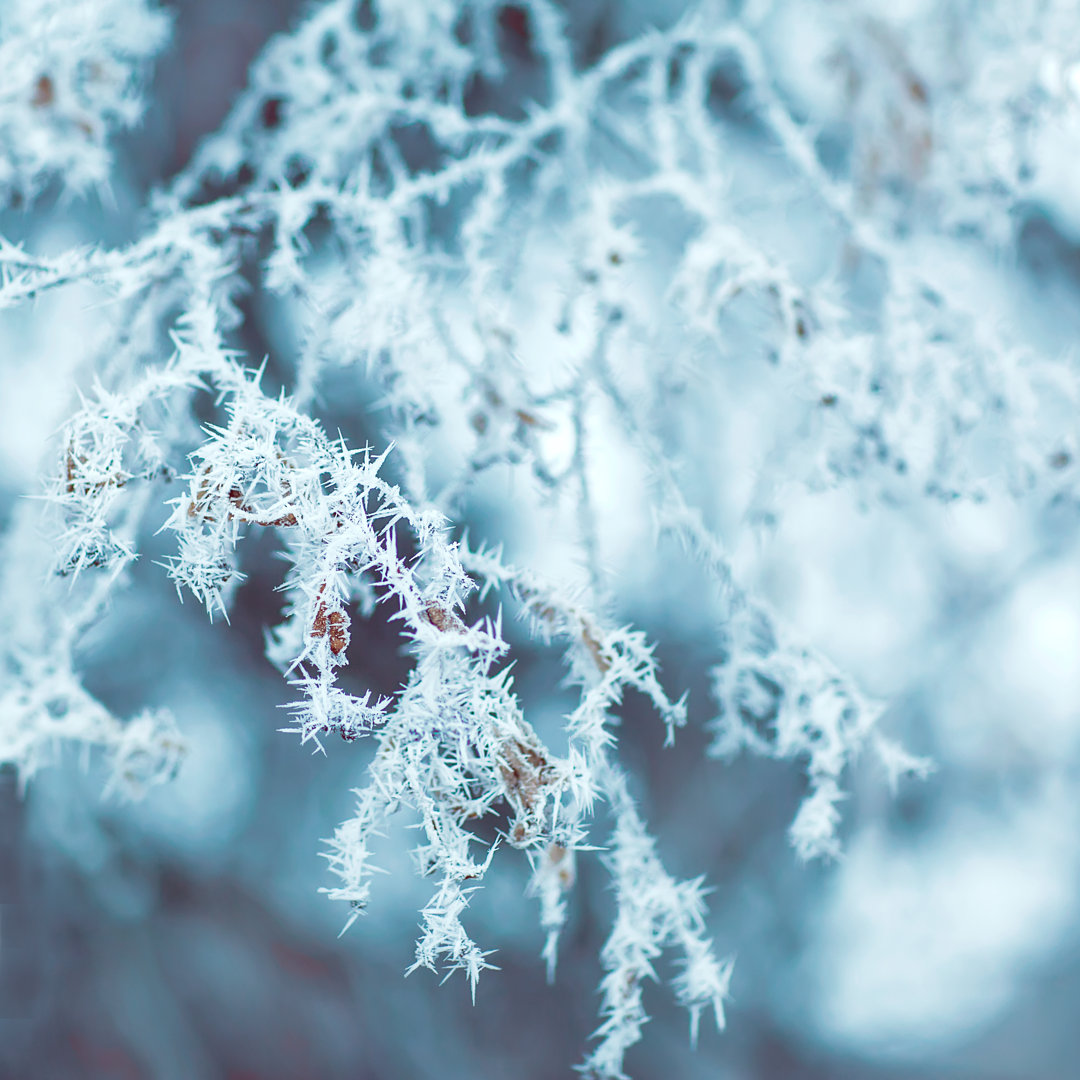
(184,936)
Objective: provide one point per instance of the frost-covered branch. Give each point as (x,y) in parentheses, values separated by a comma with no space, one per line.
(531,267)
(73,75)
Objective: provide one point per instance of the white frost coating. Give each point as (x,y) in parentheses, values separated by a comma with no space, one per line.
(430,189)
(72,74)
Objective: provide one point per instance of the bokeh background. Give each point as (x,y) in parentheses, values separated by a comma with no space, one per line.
(184,936)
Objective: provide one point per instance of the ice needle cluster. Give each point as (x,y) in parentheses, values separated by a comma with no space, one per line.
(527,250)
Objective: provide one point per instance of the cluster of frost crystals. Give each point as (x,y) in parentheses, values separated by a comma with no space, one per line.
(333,98)
(43,704)
(654,911)
(453,744)
(375,127)
(937,402)
(532,265)
(456,745)
(956,110)
(73,75)
(779,699)
(44,707)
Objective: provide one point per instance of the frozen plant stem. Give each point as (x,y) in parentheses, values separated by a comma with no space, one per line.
(533,275)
